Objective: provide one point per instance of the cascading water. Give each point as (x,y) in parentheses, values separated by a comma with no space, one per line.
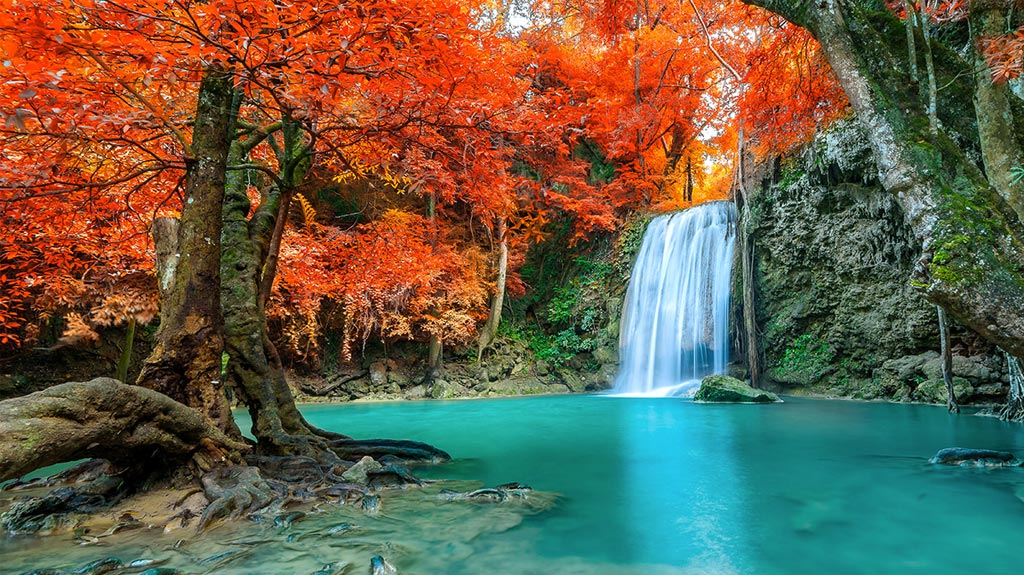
(675,322)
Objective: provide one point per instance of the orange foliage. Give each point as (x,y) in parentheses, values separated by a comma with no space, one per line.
(596,108)
(388,279)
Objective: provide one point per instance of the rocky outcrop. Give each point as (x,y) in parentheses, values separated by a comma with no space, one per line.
(509,369)
(837,313)
(966,457)
(725,389)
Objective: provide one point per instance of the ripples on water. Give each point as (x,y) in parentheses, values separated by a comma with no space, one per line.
(651,486)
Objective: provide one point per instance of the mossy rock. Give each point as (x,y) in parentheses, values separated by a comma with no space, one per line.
(725,389)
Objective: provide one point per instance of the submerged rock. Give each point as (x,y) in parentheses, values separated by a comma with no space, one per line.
(492,494)
(725,389)
(380,566)
(287,519)
(390,477)
(966,457)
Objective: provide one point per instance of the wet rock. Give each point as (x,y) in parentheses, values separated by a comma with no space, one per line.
(344,492)
(442,389)
(543,368)
(725,389)
(489,494)
(357,473)
(934,390)
(380,566)
(991,392)
(519,386)
(145,563)
(328,569)
(391,477)
(339,529)
(559,388)
(100,566)
(47,512)
(967,457)
(286,520)
(371,504)
(416,392)
(378,375)
(572,380)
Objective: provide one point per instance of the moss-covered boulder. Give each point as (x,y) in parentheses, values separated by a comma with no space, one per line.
(725,389)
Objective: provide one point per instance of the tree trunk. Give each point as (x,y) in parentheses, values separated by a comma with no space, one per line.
(746,257)
(489,332)
(1014,409)
(106,419)
(947,362)
(126,352)
(185,363)
(970,239)
(254,367)
(911,47)
(1000,146)
(929,67)
(435,355)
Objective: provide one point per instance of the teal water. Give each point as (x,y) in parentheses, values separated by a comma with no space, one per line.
(656,486)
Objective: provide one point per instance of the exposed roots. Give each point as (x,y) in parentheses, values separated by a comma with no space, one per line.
(234,491)
(388,450)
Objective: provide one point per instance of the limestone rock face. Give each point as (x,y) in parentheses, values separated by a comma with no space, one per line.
(836,310)
(725,389)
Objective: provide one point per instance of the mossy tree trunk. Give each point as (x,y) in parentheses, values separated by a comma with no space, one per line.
(973,256)
(130,426)
(1000,143)
(125,360)
(947,362)
(185,363)
(254,367)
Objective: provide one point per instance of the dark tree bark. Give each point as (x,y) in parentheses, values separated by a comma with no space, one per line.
(947,362)
(185,363)
(254,367)
(106,419)
(971,240)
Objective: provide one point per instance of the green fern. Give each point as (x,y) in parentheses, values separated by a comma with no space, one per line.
(1018,175)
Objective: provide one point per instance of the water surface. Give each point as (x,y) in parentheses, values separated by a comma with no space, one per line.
(652,486)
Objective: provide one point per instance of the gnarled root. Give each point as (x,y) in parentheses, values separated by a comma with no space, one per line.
(388,450)
(47,512)
(128,425)
(234,491)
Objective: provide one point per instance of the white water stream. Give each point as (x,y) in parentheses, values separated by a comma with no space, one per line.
(675,322)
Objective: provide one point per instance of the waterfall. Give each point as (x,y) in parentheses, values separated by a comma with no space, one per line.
(675,322)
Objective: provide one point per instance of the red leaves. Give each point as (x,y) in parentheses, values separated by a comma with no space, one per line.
(1005,55)
(389,280)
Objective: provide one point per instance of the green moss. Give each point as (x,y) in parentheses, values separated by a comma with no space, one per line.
(725,389)
(804,362)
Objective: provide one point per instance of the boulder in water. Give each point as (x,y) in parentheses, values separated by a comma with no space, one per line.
(725,389)
(966,457)
(357,473)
